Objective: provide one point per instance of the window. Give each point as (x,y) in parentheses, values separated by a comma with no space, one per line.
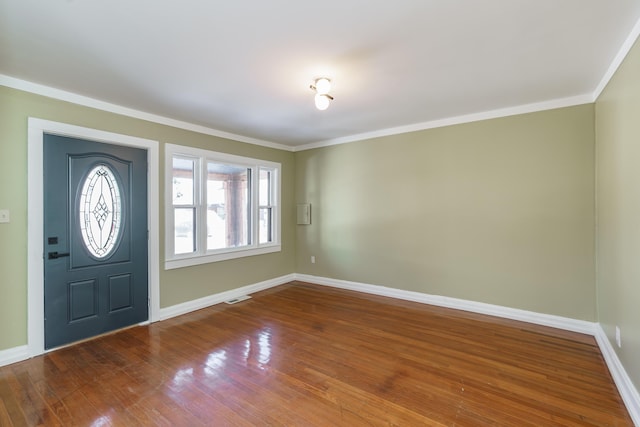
(100,211)
(267,205)
(219,206)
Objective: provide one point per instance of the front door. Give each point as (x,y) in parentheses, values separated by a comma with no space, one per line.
(95,238)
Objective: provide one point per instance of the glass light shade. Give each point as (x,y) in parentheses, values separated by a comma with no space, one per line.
(322,102)
(323,86)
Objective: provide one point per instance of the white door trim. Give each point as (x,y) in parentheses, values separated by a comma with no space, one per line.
(35,218)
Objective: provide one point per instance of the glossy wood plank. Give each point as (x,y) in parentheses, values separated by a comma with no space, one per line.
(306,355)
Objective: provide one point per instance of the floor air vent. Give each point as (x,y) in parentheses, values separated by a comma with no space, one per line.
(238,299)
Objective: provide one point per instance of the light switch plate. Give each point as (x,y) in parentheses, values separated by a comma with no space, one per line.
(4,216)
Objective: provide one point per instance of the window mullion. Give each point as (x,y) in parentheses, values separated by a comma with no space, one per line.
(274,202)
(255,184)
(271,201)
(201,210)
(265,207)
(252,214)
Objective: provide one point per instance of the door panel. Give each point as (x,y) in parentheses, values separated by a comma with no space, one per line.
(96,268)
(83,300)
(80,166)
(120,292)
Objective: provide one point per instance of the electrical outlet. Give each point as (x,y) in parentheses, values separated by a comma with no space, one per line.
(618,337)
(4,216)
(313,259)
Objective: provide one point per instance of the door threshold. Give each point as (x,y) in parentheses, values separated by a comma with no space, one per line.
(71,344)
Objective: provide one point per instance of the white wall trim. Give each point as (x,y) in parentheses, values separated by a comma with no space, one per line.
(553,321)
(587,98)
(204,302)
(450,121)
(627,390)
(35,219)
(617,60)
(86,101)
(13,355)
(18,354)
(625,386)
(74,98)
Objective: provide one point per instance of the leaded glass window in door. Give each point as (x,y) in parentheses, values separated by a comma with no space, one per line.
(100,211)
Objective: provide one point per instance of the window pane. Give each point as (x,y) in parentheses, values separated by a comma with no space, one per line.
(183,181)
(100,211)
(184,230)
(228,204)
(265,223)
(265,187)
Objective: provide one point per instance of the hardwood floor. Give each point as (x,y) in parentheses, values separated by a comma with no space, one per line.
(306,355)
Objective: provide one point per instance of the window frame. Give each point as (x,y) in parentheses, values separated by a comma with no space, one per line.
(202,255)
(272,205)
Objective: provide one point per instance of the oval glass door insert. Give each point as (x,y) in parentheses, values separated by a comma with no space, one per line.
(100,211)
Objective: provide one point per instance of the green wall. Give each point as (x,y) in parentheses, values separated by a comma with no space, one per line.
(499,211)
(618,207)
(176,286)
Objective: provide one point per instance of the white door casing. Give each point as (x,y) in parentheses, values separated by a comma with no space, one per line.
(35,218)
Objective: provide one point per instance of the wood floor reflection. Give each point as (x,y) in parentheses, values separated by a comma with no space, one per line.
(306,355)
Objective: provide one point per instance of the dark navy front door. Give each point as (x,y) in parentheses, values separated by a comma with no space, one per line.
(95,238)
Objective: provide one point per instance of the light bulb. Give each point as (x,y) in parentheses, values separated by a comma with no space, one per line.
(323,86)
(322,102)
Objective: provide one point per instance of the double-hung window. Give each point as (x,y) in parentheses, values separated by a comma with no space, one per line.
(219,206)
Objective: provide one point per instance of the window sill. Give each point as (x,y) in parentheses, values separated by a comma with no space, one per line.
(190,260)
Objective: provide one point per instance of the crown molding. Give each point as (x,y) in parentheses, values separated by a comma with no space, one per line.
(467,118)
(85,101)
(617,60)
(586,98)
(74,98)
(450,121)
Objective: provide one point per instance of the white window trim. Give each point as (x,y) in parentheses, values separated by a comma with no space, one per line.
(202,255)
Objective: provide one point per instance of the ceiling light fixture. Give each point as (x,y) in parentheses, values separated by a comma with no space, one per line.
(322,86)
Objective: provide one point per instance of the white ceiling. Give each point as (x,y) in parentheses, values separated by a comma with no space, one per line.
(244,66)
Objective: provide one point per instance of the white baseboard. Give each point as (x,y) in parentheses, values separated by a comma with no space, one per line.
(559,322)
(18,354)
(13,355)
(627,390)
(624,384)
(189,306)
